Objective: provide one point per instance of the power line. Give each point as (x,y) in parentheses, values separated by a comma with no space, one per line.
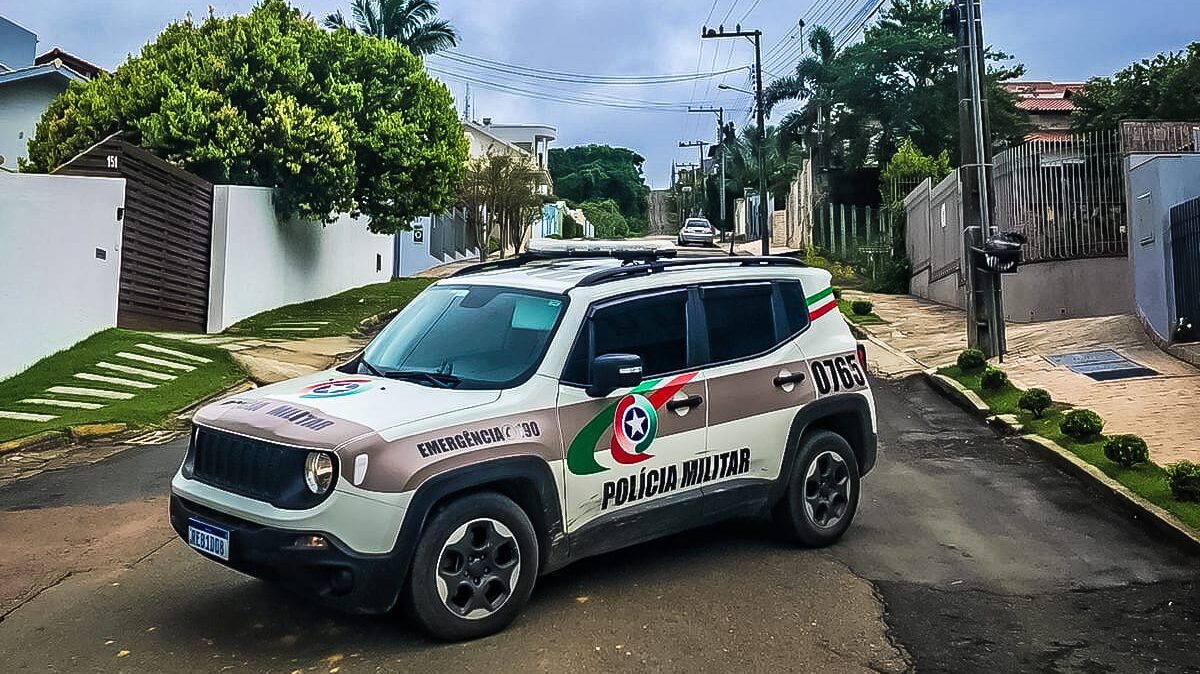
(579,78)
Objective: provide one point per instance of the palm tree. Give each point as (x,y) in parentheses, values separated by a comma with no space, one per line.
(412,23)
(815,80)
(782,161)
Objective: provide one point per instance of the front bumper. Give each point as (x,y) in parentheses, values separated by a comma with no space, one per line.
(334,575)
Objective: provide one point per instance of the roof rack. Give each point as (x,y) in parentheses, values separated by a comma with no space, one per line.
(624,255)
(659,266)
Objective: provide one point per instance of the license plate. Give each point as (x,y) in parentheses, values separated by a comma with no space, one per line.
(209,539)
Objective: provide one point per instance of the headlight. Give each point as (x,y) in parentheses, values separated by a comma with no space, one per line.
(318,472)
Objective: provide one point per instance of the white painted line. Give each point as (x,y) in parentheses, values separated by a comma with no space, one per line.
(155,361)
(150,374)
(62,403)
(174,353)
(301,323)
(297,329)
(26,416)
(114,380)
(90,392)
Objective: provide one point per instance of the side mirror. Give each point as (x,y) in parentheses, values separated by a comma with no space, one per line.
(613,371)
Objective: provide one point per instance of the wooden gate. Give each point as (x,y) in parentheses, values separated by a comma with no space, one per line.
(1185,254)
(167,238)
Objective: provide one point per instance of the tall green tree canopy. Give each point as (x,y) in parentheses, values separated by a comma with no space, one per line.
(899,82)
(334,121)
(1166,87)
(412,23)
(598,172)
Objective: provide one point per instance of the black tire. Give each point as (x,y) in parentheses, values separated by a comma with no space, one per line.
(821,500)
(476,583)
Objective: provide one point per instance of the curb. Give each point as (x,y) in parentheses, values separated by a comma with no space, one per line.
(370,324)
(1116,493)
(37,441)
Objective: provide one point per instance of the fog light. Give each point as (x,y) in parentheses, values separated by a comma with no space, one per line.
(314,542)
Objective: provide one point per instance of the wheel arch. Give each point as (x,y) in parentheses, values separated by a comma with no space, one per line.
(527,480)
(848,415)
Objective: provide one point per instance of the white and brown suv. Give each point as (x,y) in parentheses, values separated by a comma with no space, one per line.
(527,413)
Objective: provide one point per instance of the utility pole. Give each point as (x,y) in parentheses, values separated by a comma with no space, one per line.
(697,179)
(683,190)
(720,148)
(985,313)
(764,219)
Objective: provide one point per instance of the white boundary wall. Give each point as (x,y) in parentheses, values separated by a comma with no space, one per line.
(259,263)
(54,288)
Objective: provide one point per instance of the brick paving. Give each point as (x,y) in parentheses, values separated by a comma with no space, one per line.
(1164,409)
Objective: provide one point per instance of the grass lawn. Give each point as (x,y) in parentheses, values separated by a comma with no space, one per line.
(149,407)
(343,311)
(861,319)
(1147,480)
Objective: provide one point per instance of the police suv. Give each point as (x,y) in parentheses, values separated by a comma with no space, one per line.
(529,412)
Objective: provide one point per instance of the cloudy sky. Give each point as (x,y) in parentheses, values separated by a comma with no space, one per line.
(1057,40)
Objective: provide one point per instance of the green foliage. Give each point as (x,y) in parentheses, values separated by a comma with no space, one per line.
(1036,401)
(334,121)
(412,23)
(340,314)
(899,82)
(571,228)
(1127,450)
(606,219)
(601,172)
(1184,480)
(890,276)
(1081,424)
(493,246)
(909,166)
(1162,88)
(993,379)
(499,192)
(971,360)
(861,307)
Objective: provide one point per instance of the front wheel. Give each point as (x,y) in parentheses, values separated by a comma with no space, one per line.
(473,569)
(822,493)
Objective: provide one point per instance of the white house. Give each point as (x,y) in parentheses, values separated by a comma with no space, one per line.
(28,83)
(532,138)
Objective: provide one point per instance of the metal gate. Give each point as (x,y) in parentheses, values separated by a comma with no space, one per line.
(1185,254)
(167,240)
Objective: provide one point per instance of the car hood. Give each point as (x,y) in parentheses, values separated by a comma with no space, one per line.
(327,409)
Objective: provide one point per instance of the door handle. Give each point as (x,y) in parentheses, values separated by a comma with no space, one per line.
(782,381)
(688,402)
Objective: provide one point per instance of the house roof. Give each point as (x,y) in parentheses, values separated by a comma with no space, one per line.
(56,70)
(88,70)
(483,130)
(1046,105)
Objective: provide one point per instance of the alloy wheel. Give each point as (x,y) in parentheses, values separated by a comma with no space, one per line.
(826,490)
(479,564)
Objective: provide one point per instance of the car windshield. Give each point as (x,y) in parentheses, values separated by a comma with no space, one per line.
(478,337)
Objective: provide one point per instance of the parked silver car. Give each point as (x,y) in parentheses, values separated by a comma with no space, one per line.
(696,230)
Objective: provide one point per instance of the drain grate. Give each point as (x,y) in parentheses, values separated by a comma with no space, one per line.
(1102,365)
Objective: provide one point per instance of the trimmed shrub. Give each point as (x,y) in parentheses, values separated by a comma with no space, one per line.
(861,307)
(1184,479)
(1036,401)
(993,379)
(1081,424)
(1127,450)
(970,360)
(493,245)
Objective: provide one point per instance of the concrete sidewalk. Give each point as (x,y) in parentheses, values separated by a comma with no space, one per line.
(1163,409)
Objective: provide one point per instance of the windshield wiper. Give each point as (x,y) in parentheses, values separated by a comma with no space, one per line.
(436,378)
(370,368)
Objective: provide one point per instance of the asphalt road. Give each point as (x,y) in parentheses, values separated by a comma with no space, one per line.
(970,554)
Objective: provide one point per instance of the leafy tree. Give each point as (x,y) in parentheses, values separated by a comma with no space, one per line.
(782,161)
(598,172)
(499,192)
(412,23)
(1162,88)
(606,218)
(899,83)
(908,167)
(334,121)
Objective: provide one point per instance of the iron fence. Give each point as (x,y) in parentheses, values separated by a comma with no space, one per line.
(1066,195)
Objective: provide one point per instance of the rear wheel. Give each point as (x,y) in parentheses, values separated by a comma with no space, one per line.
(473,569)
(822,493)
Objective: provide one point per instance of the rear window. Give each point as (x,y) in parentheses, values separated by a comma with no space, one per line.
(795,308)
(740,320)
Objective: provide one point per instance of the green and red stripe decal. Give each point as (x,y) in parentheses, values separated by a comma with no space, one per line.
(821,303)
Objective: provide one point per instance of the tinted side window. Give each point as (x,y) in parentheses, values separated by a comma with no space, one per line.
(654,328)
(795,308)
(739,319)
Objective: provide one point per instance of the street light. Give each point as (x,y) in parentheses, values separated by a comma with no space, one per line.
(756,37)
(729,88)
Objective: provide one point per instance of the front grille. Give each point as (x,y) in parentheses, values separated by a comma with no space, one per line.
(252,468)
